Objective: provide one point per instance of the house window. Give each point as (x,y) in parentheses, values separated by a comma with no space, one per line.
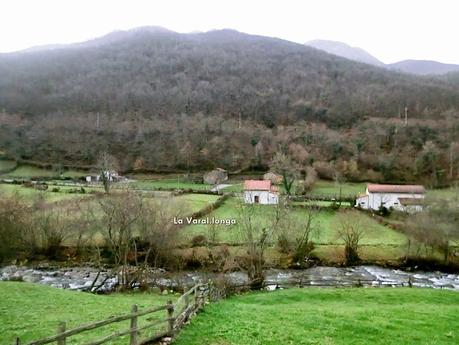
(256,199)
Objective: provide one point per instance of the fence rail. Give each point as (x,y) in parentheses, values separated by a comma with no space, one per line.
(176,315)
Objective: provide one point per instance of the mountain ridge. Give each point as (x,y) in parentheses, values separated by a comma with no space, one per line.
(411,66)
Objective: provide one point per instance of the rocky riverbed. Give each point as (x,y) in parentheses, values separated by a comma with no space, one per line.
(82,278)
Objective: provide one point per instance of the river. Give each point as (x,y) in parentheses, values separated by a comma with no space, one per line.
(81,278)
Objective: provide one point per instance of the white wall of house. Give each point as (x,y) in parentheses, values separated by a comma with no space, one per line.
(389,200)
(362,202)
(262,196)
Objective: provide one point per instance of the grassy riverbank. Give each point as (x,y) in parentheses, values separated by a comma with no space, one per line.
(33,311)
(329,316)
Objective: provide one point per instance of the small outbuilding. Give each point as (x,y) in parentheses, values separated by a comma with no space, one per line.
(216,176)
(406,198)
(260,192)
(111,175)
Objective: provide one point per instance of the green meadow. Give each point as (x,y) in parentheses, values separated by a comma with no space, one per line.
(33,311)
(329,316)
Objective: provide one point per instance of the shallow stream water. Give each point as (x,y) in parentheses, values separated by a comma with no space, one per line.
(81,278)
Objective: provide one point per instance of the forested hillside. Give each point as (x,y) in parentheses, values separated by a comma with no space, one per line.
(159,100)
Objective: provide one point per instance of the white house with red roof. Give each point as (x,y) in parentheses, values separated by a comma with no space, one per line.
(407,198)
(260,192)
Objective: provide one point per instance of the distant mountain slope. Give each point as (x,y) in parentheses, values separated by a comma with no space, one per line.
(418,67)
(166,101)
(423,67)
(108,38)
(346,51)
(157,71)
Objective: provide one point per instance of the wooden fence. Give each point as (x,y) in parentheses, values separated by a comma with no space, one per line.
(176,314)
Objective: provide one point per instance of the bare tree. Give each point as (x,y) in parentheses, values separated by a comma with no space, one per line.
(158,231)
(13,220)
(436,228)
(285,166)
(119,216)
(106,165)
(256,239)
(351,232)
(294,234)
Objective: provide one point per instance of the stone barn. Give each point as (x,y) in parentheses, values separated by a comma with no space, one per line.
(273,177)
(216,176)
(260,192)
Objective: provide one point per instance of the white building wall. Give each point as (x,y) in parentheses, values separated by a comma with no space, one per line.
(264,197)
(362,202)
(390,200)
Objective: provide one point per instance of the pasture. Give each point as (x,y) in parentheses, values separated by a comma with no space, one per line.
(346,316)
(33,311)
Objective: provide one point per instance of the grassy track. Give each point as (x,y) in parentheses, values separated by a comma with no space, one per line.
(33,311)
(330,317)
(176,183)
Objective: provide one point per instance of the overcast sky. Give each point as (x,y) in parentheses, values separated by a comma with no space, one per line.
(388,29)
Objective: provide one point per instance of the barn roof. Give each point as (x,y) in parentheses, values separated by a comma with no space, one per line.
(396,188)
(257,185)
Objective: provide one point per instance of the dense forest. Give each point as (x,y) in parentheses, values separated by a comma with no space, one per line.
(159,100)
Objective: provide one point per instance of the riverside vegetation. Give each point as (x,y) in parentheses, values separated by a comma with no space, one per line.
(132,226)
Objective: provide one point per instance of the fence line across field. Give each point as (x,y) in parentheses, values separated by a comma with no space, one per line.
(176,315)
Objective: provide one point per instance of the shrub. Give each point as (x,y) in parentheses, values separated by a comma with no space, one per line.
(199,241)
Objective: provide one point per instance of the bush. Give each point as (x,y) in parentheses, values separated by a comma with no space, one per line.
(384,211)
(56,190)
(199,241)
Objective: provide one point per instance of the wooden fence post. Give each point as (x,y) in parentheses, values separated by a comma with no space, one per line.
(170,314)
(195,297)
(134,325)
(186,301)
(60,330)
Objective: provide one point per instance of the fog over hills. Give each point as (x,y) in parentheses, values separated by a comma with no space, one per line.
(418,67)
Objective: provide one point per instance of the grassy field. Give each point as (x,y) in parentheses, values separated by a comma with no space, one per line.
(33,311)
(450,194)
(323,187)
(6,165)
(329,317)
(170,183)
(31,193)
(196,202)
(28,171)
(328,221)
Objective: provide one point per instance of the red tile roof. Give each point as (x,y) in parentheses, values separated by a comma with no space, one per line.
(396,188)
(257,185)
